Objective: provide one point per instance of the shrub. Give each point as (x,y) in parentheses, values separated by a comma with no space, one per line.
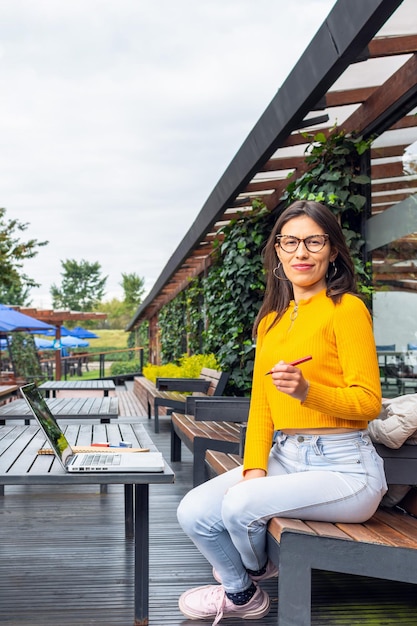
(124,367)
(188,367)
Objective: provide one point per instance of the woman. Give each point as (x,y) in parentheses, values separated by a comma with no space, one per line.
(322,465)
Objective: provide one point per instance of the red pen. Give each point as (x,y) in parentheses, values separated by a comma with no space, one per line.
(296,362)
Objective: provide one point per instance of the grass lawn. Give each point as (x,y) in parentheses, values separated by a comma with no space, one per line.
(109,339)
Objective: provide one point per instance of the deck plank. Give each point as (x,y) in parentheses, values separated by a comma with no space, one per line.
(58,566)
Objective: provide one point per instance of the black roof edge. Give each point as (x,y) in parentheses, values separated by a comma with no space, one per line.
(342,37)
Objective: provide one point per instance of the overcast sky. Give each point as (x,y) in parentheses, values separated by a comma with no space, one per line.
(118,117)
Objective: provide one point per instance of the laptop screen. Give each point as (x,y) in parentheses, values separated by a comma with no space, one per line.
(47,422)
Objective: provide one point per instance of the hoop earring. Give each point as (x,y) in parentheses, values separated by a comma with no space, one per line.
(276,275)
(334,271)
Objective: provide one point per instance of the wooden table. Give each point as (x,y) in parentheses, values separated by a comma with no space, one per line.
(20,464)
(52,386)
(6,391)
(103,409)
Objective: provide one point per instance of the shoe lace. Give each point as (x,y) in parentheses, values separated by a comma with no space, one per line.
(219,599)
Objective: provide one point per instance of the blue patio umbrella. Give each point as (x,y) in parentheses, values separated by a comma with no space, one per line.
(83,333)
(11,321)
(51,333)
(73,342)
(43,344)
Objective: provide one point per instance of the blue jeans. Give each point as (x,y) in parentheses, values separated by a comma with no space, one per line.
(332,478)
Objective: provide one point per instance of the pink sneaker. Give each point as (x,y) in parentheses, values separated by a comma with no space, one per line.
(211,601)
(271,572)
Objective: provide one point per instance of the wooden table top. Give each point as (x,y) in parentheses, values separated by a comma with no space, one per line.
(78,385)
(20,462)
(7,390)
(98,408)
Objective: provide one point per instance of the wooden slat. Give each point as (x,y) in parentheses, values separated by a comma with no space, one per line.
(129,403)
(279,525)
(326,529)
(397,85)
(405,524)
(224,431)
(222,462)
(387,46)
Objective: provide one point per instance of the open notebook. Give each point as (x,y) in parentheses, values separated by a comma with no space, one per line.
(93,461)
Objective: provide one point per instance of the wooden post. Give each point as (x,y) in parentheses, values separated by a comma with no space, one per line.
(58,354)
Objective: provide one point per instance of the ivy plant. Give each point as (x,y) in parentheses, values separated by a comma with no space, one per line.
(171,322)
(215,314)
(334,178)
(181,324)
(195,317)
(233,292)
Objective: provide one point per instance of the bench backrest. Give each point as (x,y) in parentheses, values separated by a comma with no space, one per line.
(218,408)
(400,464)
(216,379)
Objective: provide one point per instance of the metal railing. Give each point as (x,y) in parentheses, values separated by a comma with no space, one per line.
(74,364)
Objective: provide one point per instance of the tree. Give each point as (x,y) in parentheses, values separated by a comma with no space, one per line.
(115,310)
(134,288)
(82,286)
(120,312)
(15,284)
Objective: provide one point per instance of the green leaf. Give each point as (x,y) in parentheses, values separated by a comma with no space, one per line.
(331,176)
(361,179)
(357,201)
(320,137)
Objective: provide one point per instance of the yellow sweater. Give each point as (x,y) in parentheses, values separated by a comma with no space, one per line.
(344,390)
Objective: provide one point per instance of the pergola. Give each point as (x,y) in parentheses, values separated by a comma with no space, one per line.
(58,319)
(359,73)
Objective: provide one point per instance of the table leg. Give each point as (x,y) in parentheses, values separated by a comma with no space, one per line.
(141,580)
(129,530)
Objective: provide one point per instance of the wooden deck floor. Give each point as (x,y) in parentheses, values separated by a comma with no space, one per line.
(65,560)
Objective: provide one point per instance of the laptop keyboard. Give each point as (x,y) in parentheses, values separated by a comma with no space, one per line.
(101,459)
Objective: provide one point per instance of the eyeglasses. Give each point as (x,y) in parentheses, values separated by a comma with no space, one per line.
(314,243)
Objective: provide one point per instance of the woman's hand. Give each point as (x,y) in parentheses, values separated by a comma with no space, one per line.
(290,380)
(250,474)
(254,473)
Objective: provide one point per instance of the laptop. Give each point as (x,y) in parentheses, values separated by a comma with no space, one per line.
(86,461)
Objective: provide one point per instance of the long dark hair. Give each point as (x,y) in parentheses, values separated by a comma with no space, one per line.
(279,291)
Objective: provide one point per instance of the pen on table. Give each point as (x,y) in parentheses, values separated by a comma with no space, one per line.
(296,362)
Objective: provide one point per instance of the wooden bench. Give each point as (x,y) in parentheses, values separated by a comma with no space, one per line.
(144,390)
(383,547)
(208,423)
(168,393)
